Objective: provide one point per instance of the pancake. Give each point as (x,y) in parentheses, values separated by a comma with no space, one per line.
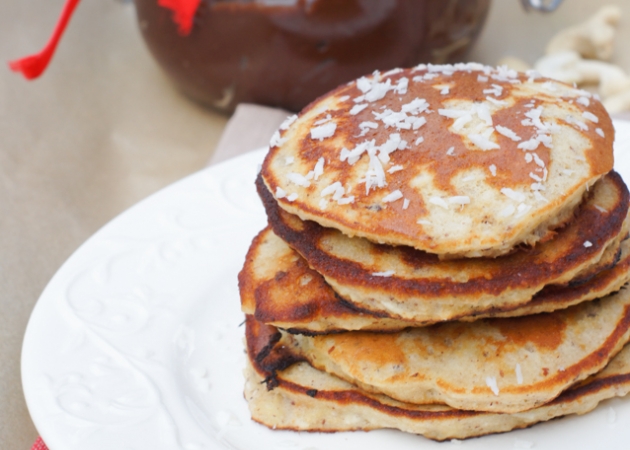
(499,365)
(461,160)
(277,287)
(408,284)
(306,399)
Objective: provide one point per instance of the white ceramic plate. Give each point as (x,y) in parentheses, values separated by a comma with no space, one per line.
(136,343)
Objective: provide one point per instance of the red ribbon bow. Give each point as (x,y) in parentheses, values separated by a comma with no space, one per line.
(34,65)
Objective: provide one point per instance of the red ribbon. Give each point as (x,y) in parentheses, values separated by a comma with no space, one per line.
(39,445)
(34,65)
(183,13)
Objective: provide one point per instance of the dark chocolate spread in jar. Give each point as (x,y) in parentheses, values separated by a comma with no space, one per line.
(286,53)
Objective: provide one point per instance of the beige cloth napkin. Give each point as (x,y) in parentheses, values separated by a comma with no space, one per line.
(251,127)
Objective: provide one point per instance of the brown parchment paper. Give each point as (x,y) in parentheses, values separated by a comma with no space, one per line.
(104,128)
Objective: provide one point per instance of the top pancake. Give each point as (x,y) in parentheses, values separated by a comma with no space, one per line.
(460,160)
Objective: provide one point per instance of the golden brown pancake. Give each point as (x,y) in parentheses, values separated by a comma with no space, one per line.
(408,284)
(461,160)
(302,398)
(500,365)
(277,287)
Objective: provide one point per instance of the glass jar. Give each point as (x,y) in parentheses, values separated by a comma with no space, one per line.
(286,53)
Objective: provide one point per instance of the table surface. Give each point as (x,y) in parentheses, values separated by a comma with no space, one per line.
(104,128)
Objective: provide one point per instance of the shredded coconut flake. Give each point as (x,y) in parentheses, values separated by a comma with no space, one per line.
(406,203)
(599,131)
(505,131)
(387,273)
(323,131)
(578,123)
(395,169)
(588,244)
(538,196)
(459,200)
(483,142)
(491,382)
(445,90)
(507,211)
(611,417)
(346,200)
(319,168)
(293,197)
(439,202)
(280,193)
(419,141)
(450,151)
(513,195)
(522,209)
(289,160)
(276,140)
(328,118)
(288,121)
(482,79)
(530,144)
(333,189)
(493,170)
(298,179)
(520,443)
(356,109)
(590,116)
(583,101)
(496,101)
(519,374)
(600,209)
(423,222)
(392,197)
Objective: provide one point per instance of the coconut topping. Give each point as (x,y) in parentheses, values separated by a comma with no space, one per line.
(505,131)
(298,179)
(323,131)
(588,244)
(356,109)
(491,382)
(578,123)
(276,140)
(288,122)
(392,197)
(439,202)
(590,116)
(513,195)
(519,374)
(599,131)
(386,274)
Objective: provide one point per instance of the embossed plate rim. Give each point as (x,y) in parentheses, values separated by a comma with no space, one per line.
(48,321)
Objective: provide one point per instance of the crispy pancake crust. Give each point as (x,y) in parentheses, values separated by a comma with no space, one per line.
(458,160)
(499,365)
(302,398)
(277,287)
(423,288)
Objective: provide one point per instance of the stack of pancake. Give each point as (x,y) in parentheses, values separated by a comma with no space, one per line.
(446,255)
